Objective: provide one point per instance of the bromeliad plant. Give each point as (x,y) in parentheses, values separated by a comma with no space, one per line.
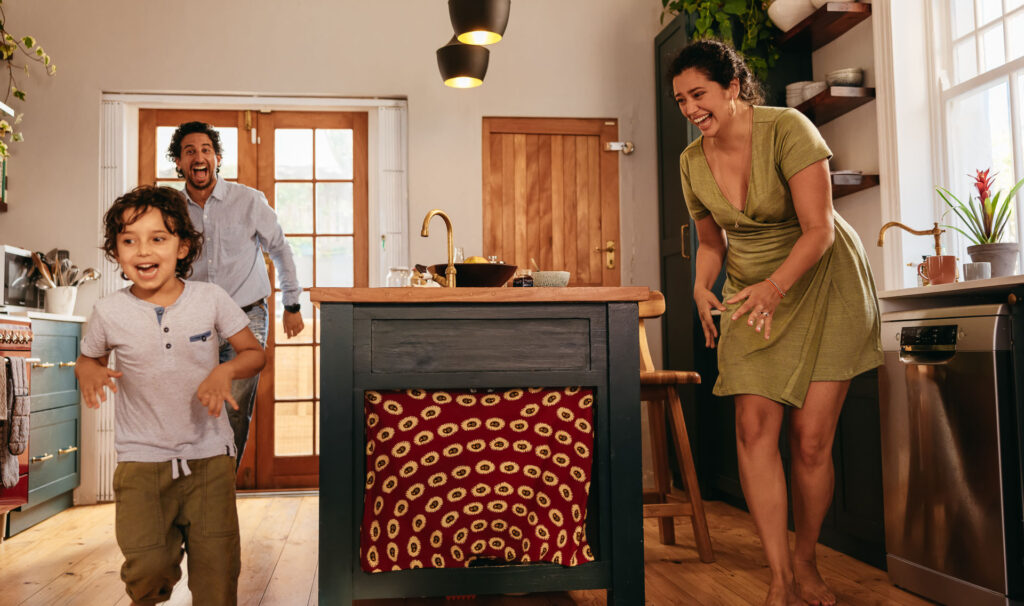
(986,222)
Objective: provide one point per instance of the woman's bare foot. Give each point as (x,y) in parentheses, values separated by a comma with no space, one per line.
(783,594)
(809,584)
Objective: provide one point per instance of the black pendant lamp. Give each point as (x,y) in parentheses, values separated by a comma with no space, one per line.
(462,65)
(479,21)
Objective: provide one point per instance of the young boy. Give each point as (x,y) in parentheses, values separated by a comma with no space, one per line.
(175,477)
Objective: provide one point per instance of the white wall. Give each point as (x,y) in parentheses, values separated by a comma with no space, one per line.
(570,58)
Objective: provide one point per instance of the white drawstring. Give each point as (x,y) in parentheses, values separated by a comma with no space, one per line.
(185,471)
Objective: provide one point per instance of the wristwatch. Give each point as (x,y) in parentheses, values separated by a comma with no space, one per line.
(293,308)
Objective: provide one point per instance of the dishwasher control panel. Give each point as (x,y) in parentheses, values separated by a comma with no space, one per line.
(928,338)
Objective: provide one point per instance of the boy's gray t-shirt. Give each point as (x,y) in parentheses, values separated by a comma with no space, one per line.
(165,353)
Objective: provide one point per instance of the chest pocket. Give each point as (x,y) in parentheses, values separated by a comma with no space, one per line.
(203,336)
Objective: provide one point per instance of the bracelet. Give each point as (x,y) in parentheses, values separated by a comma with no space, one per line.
(781,292)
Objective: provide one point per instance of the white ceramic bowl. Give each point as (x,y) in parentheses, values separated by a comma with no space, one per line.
(787,13)
(851,76)
(551,278)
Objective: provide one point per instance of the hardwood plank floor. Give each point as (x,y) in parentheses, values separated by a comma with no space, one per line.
(72,559)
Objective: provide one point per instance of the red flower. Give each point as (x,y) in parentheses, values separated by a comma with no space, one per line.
(984,184)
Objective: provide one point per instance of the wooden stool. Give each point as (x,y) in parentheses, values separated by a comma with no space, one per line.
(658,388)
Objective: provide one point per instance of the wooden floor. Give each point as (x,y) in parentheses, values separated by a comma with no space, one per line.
(72,559)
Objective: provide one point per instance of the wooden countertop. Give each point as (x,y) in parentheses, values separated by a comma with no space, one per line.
(479,295)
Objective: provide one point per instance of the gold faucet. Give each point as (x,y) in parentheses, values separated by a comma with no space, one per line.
(934,231)
(449,273)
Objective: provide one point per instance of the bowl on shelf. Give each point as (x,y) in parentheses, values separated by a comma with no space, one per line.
(787,13)
(557,279)
(851,76)
(477,274)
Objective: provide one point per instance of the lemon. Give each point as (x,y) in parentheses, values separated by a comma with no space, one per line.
(476,259)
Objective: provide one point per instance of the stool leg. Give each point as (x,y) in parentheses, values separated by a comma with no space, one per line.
(659,458)
(685,457)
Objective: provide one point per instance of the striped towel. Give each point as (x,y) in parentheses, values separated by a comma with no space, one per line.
(21,410)
(8,461)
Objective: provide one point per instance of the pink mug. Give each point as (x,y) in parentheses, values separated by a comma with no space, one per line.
(938,269)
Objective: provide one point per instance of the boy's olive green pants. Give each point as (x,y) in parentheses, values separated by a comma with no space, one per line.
(159,519)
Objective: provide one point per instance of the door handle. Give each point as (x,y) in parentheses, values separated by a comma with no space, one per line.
(64,451)
(683,240)
(70,364)
(609,254)
(44,457)
(42,365)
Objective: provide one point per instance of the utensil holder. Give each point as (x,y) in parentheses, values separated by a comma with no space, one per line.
(60,300)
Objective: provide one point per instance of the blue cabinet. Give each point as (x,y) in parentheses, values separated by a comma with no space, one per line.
(55,426)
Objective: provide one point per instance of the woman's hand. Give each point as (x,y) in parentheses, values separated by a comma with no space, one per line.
(761,300)
(706,300)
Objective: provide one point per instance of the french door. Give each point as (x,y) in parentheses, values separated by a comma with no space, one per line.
(312,167)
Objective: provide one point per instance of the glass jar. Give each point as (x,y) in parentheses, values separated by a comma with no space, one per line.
(523,277)
(399,277)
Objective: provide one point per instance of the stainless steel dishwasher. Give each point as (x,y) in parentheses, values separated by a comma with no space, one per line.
(951,461)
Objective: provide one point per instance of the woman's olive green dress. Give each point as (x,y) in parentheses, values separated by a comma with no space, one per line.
(827,328)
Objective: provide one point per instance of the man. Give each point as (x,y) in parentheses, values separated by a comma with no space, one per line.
(237,225)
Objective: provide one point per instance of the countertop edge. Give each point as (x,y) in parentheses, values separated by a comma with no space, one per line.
(955,288)
(480,295)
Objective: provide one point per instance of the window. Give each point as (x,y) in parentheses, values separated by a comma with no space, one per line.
(980,49)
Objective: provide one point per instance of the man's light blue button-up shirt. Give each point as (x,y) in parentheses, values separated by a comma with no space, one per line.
(237,224)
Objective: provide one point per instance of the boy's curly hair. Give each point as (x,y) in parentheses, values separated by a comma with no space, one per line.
(171,204)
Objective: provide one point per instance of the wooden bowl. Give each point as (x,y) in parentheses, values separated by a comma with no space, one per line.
(477,274)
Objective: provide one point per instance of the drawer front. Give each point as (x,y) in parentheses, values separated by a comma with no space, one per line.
(53,453)
(447,340)
(55,344)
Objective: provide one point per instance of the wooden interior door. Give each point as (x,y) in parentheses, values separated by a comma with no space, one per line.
(312,167)
(551,193)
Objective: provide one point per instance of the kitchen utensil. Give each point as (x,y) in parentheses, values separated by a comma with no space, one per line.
(533,262)
(44,270)
(87,274)
(72,275)
(61,274)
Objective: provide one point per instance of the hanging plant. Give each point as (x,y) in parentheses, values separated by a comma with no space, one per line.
(13,48)
(742,23)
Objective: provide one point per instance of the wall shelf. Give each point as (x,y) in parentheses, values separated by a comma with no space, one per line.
(835,101)
(866,181)
(826,24)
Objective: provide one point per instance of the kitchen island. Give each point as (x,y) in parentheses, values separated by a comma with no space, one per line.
(377,339)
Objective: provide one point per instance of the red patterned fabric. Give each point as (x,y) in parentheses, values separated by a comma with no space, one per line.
(459,475)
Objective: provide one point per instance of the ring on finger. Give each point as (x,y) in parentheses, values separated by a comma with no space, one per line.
(764,314)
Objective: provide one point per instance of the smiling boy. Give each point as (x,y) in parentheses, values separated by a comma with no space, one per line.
(175,477)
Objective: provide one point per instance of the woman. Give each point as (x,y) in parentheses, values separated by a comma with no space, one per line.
(800,317)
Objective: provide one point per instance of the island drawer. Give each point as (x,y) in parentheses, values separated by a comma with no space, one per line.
(489,338)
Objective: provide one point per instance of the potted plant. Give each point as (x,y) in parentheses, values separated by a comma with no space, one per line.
(729,20)
(985,223)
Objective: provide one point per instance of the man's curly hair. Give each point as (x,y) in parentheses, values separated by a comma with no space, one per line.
(188,128)
(172,206)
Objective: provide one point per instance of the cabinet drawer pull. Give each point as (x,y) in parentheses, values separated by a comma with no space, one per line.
(42,365)
(30,360)
(65,451)
(45,457)
(67,364)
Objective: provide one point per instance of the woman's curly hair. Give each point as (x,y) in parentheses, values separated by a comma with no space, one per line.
(720,63)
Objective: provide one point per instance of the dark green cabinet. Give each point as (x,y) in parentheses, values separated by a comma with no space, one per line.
(855,522)
(55,424)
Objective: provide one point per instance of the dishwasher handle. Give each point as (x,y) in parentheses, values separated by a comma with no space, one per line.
(931,356)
